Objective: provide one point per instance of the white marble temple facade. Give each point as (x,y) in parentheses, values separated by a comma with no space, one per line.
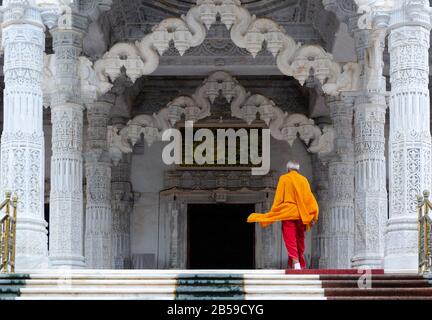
(84,113)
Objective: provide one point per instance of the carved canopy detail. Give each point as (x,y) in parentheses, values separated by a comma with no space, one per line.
(244,106)
(247,31)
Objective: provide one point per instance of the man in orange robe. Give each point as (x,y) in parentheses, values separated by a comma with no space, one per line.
(296,207)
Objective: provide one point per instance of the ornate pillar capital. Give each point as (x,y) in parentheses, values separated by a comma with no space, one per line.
(102,106)
(394,13)
(19,12)
(72,22)
(411,13)
(98,115)
(50,13)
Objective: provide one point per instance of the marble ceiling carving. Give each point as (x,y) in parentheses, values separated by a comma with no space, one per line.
(150,94)
(131,20)
(244,106)
(346,10)
(247,32)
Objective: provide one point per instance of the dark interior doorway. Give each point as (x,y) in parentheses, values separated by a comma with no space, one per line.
(219,236)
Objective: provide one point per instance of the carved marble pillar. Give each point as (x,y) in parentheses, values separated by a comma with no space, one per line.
(269,246)
(98,250)
(370,160)
(340,223)
(410,138)
(22,145)
(319,238)
(66,200)
(122,204)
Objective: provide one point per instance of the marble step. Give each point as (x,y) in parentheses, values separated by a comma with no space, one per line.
(381,298)
(375,277)
(161,297)
(162,282)
(207,285)
(170,289)
(395,284)
(268,277)
(386,292)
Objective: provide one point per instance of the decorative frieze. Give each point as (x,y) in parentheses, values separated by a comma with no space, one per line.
(203,179)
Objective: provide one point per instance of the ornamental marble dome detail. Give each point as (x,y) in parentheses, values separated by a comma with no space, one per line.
(90,86)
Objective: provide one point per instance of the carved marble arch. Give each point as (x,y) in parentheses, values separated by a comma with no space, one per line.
(247,31)
(244,106)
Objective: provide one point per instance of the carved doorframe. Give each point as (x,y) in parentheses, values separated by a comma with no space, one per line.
(172,251)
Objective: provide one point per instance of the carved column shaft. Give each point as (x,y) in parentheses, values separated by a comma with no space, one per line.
(66,210)
(319,241)
(98,250)
(410,139)
(268,243)
(22,147)
(122,204)
(370,161)
(370,187)
(340,223)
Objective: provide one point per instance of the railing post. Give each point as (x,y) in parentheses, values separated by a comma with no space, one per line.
(424,233)
(428,232)
(420,202)
(8,234)
(14,224)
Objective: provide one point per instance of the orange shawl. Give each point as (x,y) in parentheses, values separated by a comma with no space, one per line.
(294,200)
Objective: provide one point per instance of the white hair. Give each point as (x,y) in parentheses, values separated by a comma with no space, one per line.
(293,165)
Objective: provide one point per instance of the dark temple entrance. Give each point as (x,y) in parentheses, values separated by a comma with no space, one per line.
(219,237)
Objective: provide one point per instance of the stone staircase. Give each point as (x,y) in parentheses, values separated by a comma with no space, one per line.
(209,285)
(384,287)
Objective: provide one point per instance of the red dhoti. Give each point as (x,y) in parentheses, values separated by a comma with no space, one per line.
(294,236)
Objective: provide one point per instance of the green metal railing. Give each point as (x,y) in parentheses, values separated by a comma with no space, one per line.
(424,233)
(8,234)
